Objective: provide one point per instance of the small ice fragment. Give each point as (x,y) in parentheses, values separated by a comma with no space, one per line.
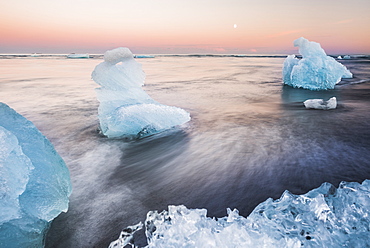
(321,104)
(126,236)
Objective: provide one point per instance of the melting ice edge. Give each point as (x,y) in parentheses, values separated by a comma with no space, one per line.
(323,217)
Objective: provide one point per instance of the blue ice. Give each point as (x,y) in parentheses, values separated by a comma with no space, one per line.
(315,71)
(324,217)
(125,109)
(34,182)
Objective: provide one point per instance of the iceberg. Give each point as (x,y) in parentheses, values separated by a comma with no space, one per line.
(315,71)
(144,56)
(34,182)
(321,104)
(78,56)
(125,109)
(324,217)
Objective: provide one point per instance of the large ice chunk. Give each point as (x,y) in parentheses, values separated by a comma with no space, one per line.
(125,109)
(323,217)
(321,104)
(34,182)
(315,71)
(15,168)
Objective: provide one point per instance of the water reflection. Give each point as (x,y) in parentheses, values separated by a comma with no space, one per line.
(292,95)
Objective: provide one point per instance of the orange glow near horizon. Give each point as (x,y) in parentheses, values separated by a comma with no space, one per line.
(164,26)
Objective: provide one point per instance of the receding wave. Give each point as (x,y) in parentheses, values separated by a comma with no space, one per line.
(352,82)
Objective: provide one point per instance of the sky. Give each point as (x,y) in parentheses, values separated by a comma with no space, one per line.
(183,27)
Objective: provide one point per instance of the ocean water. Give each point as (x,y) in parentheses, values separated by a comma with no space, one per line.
(250,138)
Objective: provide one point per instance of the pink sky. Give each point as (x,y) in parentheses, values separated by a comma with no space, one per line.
(192,26)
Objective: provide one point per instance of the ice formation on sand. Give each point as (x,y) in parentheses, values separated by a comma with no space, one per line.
(34,182)
(321,104)
(125,109)
(323,217)
(315,71)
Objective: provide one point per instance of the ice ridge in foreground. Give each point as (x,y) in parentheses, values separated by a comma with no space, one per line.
(125,109)
(315,71)
(323,217)
(34,182)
